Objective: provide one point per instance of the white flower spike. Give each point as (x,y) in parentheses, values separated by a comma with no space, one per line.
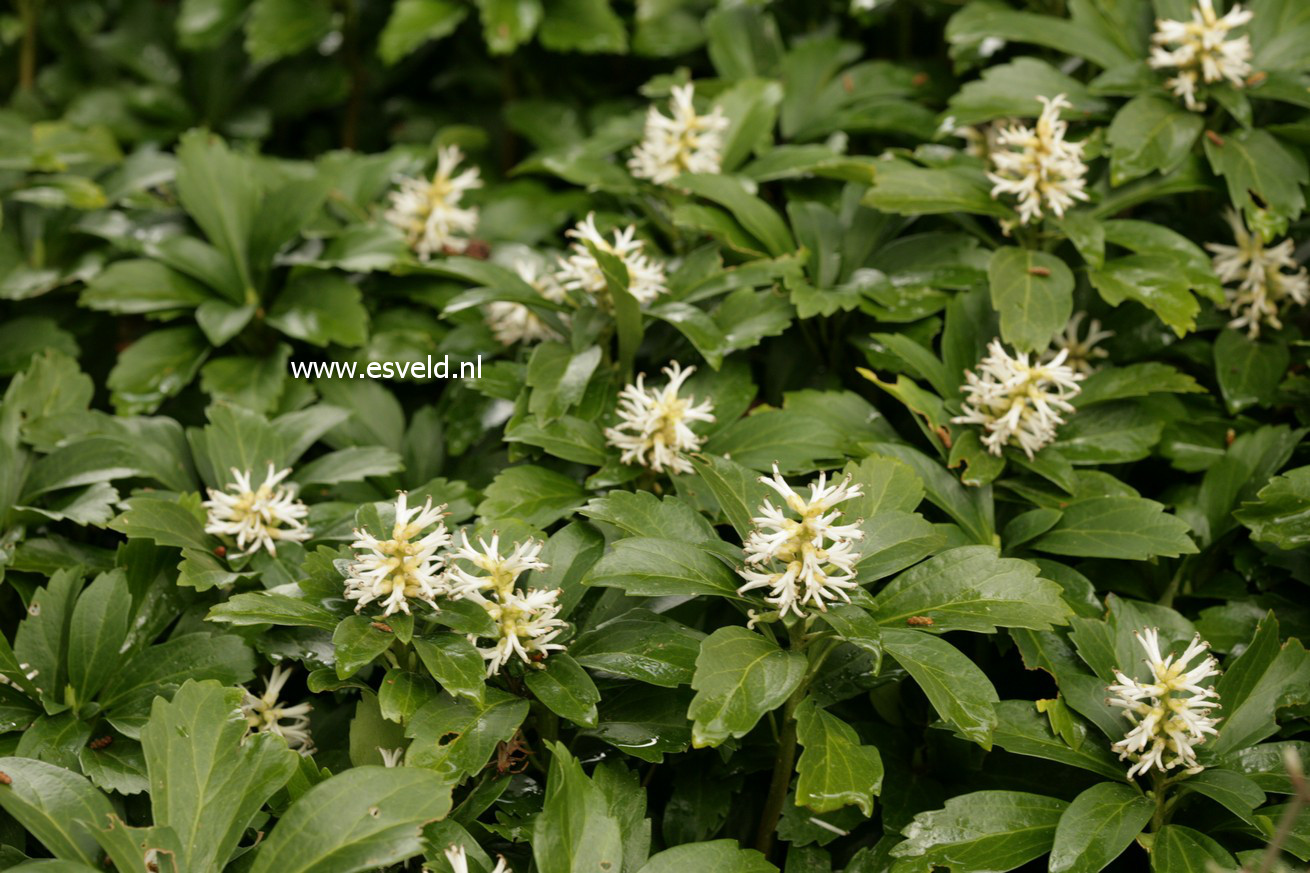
(653,429)
(1267,279)
(512,322)
(501,571)
(259,518)
(805,562)
(1202,51)
(1037,165)
(526,624)
(1018,403)
(430,212)
(1171,714)
(683,143)
(580,271)
(267,714)
(459,863)
(403,568)
(1082,351)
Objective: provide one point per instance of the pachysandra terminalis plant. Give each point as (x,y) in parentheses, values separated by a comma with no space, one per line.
(625,438)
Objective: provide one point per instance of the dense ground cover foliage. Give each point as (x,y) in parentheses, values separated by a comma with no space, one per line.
(757,435)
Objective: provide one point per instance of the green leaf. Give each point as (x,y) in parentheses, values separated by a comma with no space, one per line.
(138,286)
(534,495)
(721,856)
(358,643)
(1238,793)
(457,737)
(166,665)
(1033,292)
(58,807)
(976,22)
(754,214)
(1280,514)
(575,831)
(566,689)
(1149,134)
(1022,730)
(905,189)
(1131,528)
(1262,173)
(657,567)
(834,769)
(1248,370)
(205,783)
(739,677)
(415,22)
(278,28)
(971,508)
(737,489)
(1152,280)
(455,663)
(643,646)
(321,308)
(218,190)
(361,819)
(96,633)
(1011,90)
(167,522)
(1178,849)
(1257,684)
(588,26)
(1097,827)
(972,588)
(959,691)
(507,24)
(984,830)
(642,514)
(269,607)
(156,367)
(351,464)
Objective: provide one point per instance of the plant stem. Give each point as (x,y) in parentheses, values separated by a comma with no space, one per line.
(350,54)
(27,53)
(782,772)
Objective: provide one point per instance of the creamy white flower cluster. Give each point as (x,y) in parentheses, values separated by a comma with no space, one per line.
(1081,352)
(404,567)
(266,713)
(653,429)
(580,271)
(411,566)
(683,143)
(1266,278)
(259,518)
(430,213)
(512,322)
(1037,164)
(1171,714)
(526,621)
(1016,402)
(806,561)
(1202,51)
(459,863)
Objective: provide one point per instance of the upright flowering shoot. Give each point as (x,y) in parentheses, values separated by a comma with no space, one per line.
(257,518)
(526,622)
(1018,403)
(1170,715)
(683,143)
(267,714)
(1037,164)
(807,561)
(430,212)
(1259,281)
(1202,50)
(403,568)
(654,423)
(580,271)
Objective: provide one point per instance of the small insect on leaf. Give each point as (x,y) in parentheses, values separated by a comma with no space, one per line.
(919,621)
